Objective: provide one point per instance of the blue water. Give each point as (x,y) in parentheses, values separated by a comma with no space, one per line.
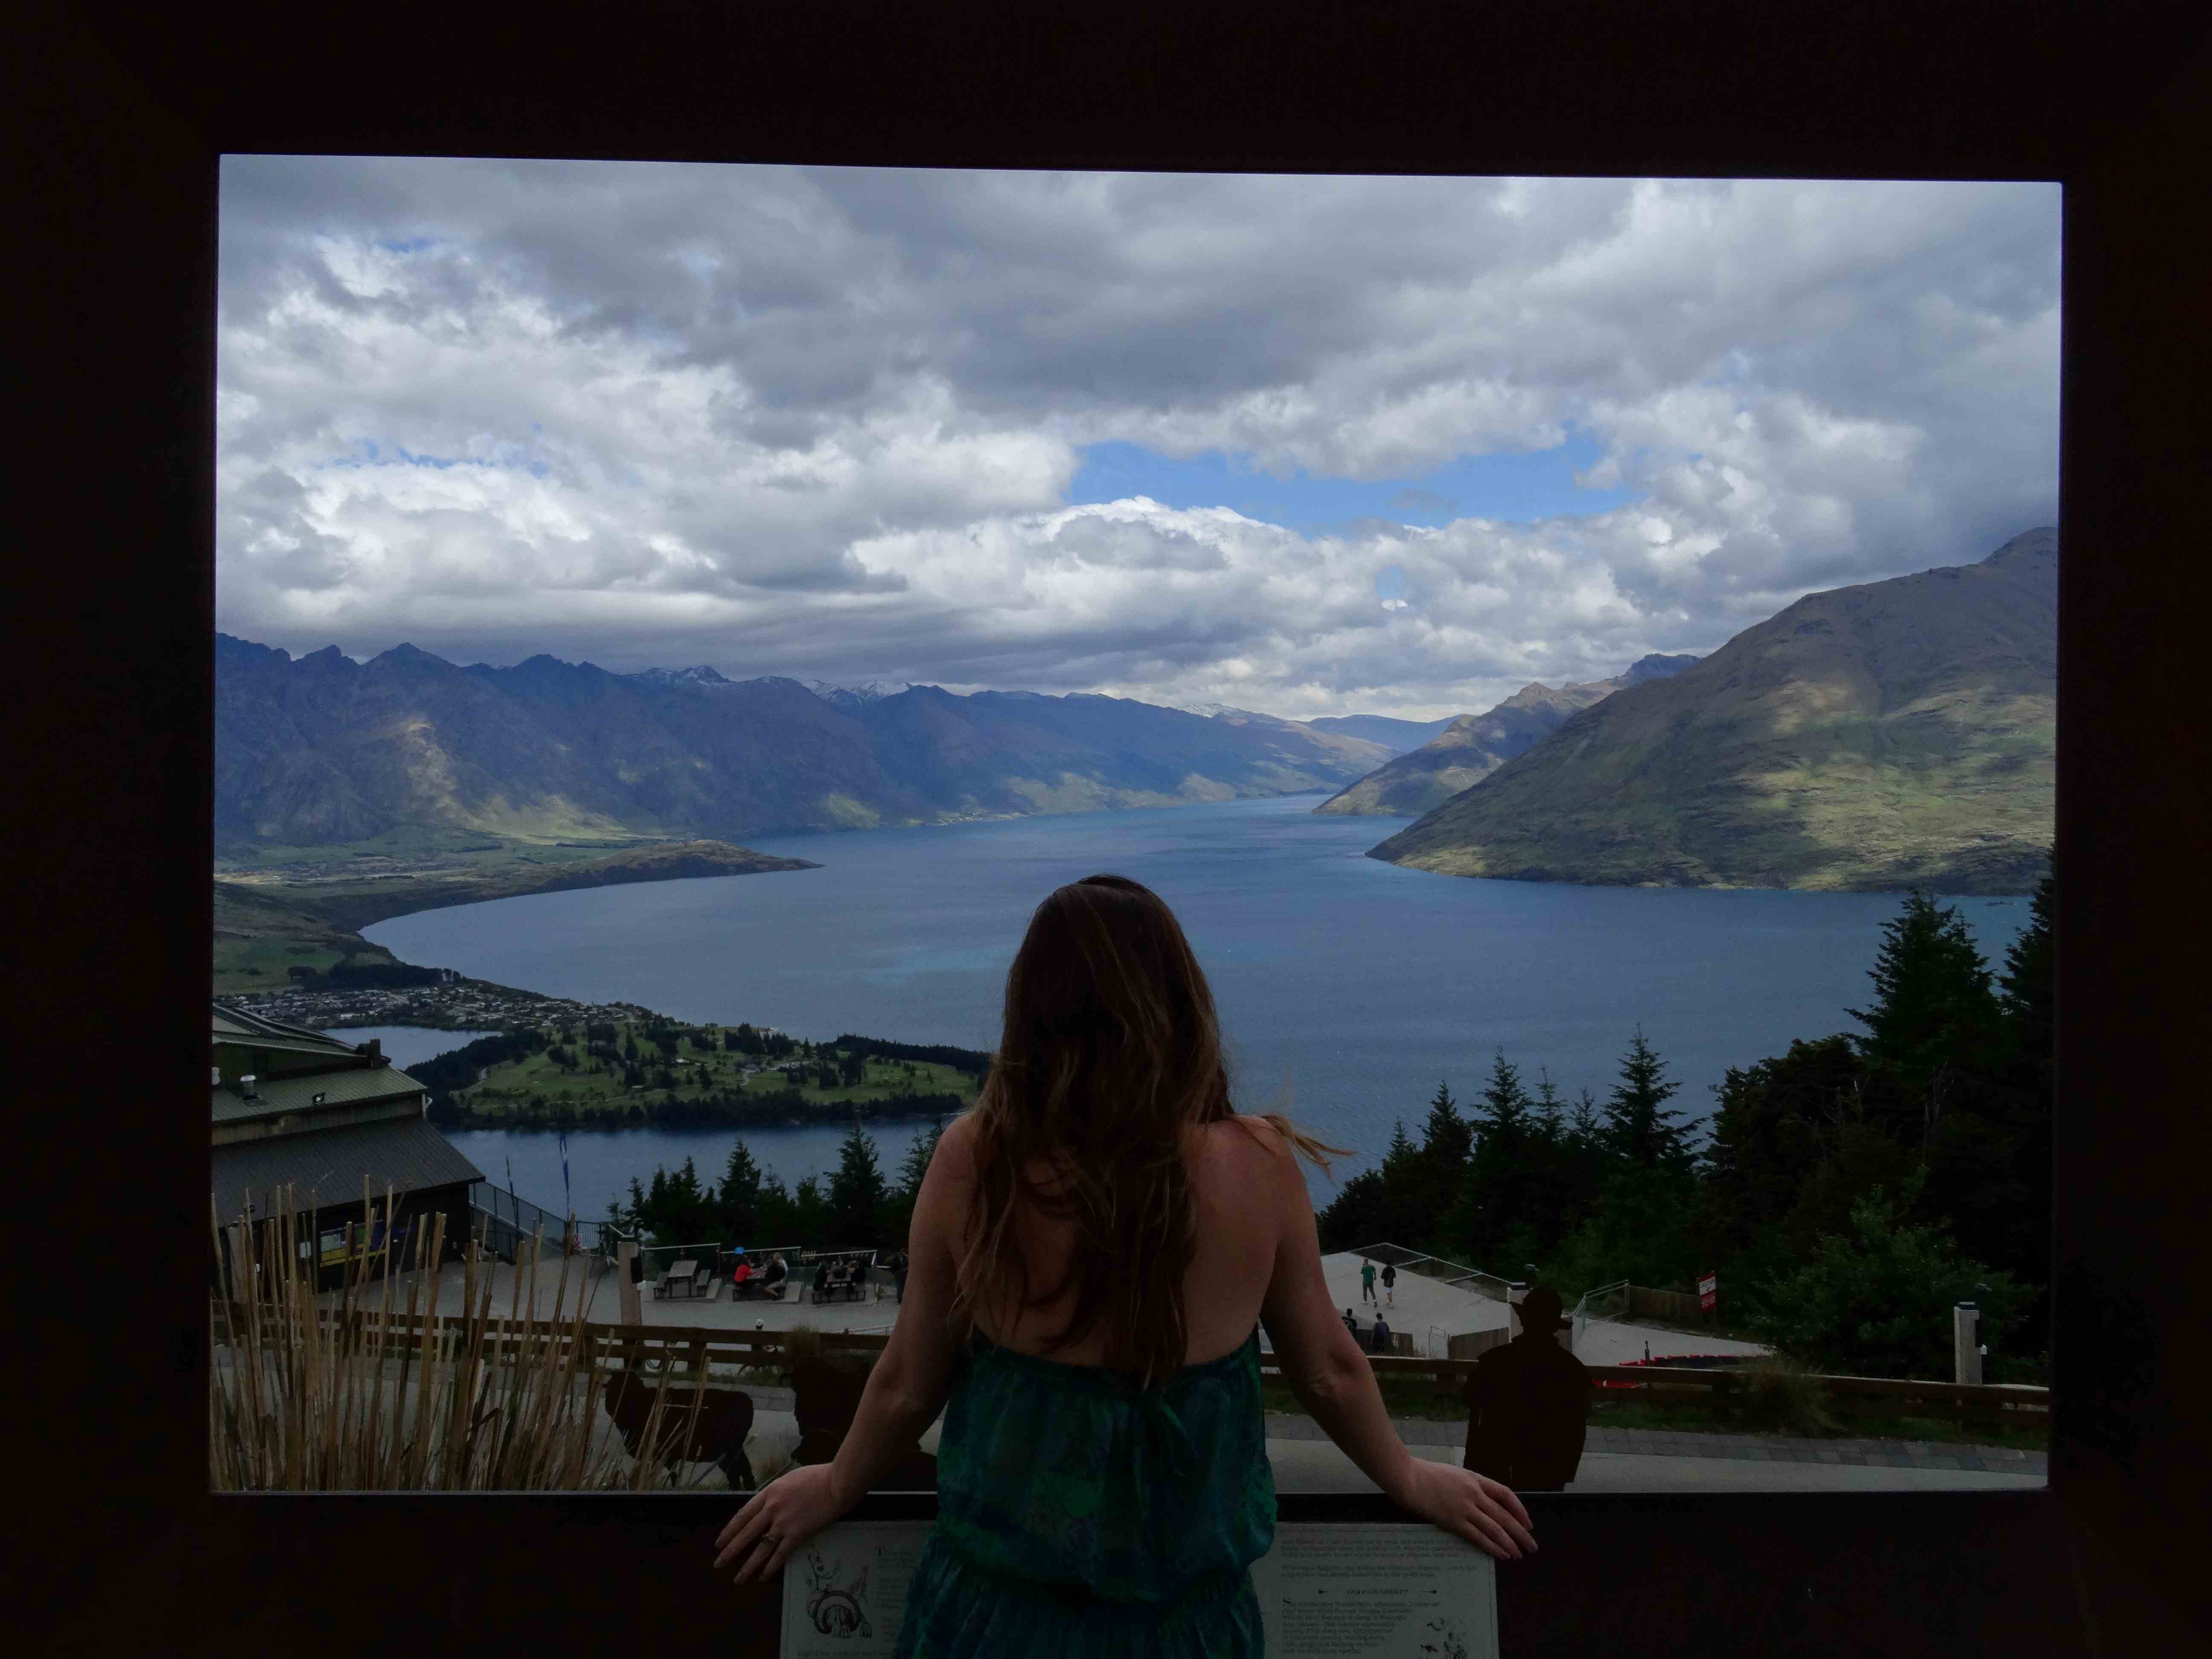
(1359,984)
(407,1045)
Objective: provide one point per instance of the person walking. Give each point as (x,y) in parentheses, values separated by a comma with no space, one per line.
(1366,1280)
(1390,1283)
(1095,1247)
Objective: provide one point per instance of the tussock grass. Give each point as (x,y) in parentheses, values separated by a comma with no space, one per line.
(1780,1396)
(298,1398)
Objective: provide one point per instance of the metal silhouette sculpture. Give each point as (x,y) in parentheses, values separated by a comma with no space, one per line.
(1528,1402)
(725,1419)
(825,1399)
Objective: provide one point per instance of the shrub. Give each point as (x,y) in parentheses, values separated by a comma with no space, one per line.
(1780,1396)
(1877,1303)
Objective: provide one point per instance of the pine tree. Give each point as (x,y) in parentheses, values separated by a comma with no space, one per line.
(1446,1137)
(779,1220)
(1934,1026)
(1550,1116)
(810,1214)
(1447,1143)
(1398,1157)
(738,1203)
(1639,1127)
(2028,997)
(1405,1213)
(857,1192)
(899,1205)
(918,1155)
(1506,1109)
(1487,1204)
(1547,1189)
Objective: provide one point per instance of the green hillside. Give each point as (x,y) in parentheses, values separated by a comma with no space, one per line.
(1893,734)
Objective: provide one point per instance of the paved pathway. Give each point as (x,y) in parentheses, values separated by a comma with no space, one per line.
(1428,1311)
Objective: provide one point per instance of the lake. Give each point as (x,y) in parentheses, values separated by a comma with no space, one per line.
(1360,984)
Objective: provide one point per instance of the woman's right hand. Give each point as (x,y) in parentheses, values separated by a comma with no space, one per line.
(1473,1506)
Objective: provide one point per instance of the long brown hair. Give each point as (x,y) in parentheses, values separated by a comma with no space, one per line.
(1110,1057)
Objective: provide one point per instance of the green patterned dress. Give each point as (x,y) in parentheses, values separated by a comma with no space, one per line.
(1080,1518)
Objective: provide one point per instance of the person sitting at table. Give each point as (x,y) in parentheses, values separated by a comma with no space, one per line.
(840,1275)
(740,1277)
(821,1281)
(777,1273)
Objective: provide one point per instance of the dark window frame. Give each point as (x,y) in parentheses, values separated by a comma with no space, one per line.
(132,105)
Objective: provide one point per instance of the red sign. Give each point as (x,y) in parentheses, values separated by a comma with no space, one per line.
(1708,1292)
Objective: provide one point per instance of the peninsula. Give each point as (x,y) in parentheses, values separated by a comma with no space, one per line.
(292,917)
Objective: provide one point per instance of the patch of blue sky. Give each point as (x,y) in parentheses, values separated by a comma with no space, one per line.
(1513,489)
(410,245)
(371,454)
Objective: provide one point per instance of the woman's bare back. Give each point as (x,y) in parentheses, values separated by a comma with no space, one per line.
(1223,1290)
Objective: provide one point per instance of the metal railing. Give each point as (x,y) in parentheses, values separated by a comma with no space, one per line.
(1595,1303)
(1453,1273)
(506,1223)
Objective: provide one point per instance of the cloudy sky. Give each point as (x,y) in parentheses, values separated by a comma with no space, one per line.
(1308,445)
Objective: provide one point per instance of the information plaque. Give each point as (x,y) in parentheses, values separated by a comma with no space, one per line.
(1326,1591)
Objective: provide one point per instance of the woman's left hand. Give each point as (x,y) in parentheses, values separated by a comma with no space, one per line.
(776,1520)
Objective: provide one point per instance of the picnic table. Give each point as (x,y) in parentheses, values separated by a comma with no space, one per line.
(685,1274)
(850,1290)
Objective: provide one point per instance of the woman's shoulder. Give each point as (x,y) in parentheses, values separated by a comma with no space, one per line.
(1243,1130)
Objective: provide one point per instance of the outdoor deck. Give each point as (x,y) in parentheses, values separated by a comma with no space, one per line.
(1304,1461)
(596,1284)
(1427,1311)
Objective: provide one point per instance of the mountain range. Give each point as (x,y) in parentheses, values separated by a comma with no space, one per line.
(1400,736)
(1470,747)
(324,751)
(1890,734)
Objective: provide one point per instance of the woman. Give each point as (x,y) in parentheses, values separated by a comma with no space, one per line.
(1091,1252)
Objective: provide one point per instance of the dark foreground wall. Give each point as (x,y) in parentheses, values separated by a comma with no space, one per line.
(121,112)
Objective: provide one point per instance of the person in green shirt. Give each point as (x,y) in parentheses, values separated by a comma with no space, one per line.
(1366,1280)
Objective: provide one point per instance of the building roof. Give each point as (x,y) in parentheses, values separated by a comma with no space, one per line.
(239,1028)
(326,1165)
(276,1096)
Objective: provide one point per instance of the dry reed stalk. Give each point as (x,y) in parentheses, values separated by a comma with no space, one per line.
(290,1411)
